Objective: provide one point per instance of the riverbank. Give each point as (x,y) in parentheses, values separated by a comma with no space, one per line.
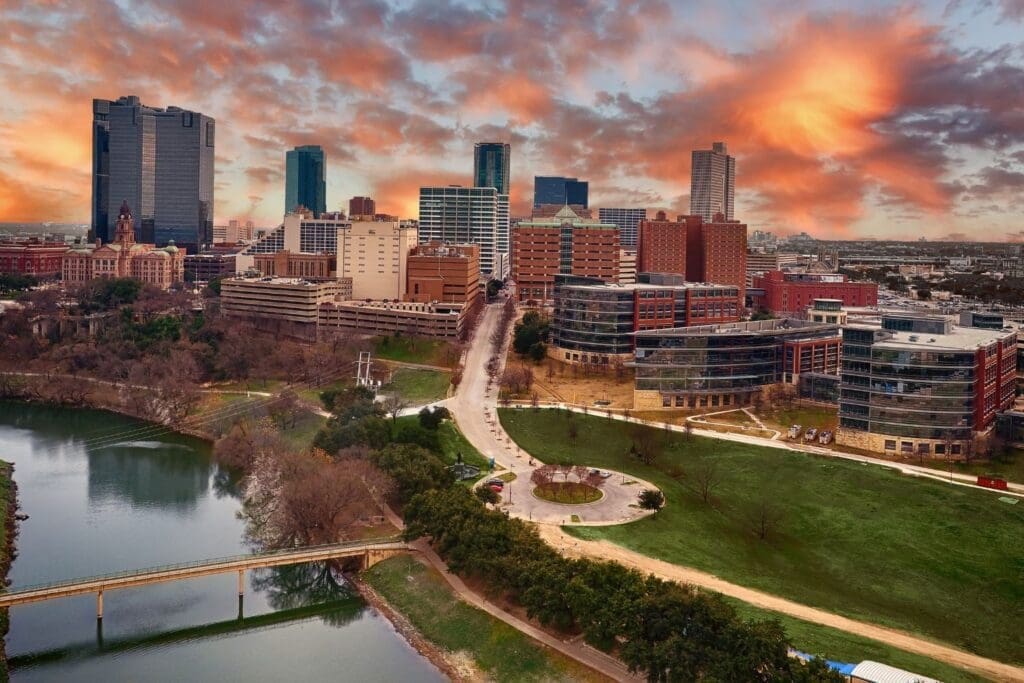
(471,641)
(8,532)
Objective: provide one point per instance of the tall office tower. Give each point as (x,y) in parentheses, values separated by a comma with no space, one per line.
(361,206)
(628,221)
(374,255)
(159,161)
(461,215)
(561,191)
(491,165)
(304,183)
(712,182)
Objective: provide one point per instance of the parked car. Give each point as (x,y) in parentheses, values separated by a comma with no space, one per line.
(495,482)
(810,434)
(604,474)
(794,431)
(825,437)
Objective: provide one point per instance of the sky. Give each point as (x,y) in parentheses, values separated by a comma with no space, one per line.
(892,120)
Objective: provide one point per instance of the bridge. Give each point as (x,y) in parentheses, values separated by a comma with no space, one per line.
(368,553)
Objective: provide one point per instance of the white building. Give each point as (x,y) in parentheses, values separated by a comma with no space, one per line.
(628,221)
(374,255)
(299,233)
(460,215)
(627,266)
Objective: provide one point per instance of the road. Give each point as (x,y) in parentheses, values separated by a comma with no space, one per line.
(474,408)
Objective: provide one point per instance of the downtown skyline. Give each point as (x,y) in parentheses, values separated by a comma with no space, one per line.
(895,122)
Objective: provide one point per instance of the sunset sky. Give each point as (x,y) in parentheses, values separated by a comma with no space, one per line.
(900,120)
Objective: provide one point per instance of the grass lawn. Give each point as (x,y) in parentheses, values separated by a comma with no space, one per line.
(805,416)
(416,350)
(307,424)
(419,386)
(452,442)
(854,539)
(845,647)
(567,493)
(500,651)
(1012,469)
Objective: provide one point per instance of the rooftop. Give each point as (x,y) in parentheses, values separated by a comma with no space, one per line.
(959,339)
(753,327)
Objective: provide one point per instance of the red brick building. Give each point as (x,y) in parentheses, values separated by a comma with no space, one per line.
(565,244)
(32,257)
(702,252)
(447,273)
(794,292)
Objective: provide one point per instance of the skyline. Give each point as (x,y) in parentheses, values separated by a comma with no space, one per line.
(889,123)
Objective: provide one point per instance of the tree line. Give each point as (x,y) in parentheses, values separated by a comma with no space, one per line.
(663,630)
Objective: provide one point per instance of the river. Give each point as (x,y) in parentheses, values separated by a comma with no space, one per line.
(105,493)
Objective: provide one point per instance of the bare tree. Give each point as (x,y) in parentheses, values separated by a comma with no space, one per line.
(765,517)
(574,431)
(707,479)
(543,477)
(393,405)
(687,429)
(535,400)
(285,409)
(647,444)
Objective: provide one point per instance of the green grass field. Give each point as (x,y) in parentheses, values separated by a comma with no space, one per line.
(419,386)
(500,651)
(854,539)
(415,350)
(307,424)
(844,647)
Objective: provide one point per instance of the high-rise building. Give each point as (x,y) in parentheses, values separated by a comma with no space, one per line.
(628,221)
(361,206)
(304,183)
(159,161)
(448,273)
(563,245)
(374,254)
(467,215)
(662,243)
(716,252)
(560,190)
(299,233)
(712,182)
(491,165)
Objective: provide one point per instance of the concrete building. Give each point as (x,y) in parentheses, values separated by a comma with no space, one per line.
(300,232)
(725,365)
(438,320)
(627,266)
(289,306)
(467,215)
(566,245)
(560,191)
(124,257)
(361,207)
(305,184)
(828,311)
(491,165)
(374,255)
(918,385)
(628,221)
(443,273)
(32,257)
(788,292)
(286,264)
(158,161)
(760,262)
(594,322)
(234,232)
(712,182)
(205,267)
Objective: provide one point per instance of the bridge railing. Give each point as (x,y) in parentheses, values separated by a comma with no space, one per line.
(195,564)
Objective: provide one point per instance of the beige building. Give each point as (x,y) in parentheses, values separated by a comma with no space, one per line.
(440,320)
(287,299)
(374,255)
(627,266)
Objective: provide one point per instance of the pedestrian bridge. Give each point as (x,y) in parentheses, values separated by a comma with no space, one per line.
(368,553)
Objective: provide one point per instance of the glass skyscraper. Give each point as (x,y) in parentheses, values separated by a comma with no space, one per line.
(304,179)
(712,182)
(560,190)
(491,165)
(161,162)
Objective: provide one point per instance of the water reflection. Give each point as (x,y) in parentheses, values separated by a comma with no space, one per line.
(148,473)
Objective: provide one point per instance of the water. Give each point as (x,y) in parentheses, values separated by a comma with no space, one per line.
(105,493)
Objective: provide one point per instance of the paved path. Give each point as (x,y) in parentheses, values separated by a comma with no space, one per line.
(474,408)
(604,550)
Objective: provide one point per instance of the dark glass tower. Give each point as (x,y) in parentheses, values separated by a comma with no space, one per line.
(491,165)
(560,190)
(304,179)
(160,161)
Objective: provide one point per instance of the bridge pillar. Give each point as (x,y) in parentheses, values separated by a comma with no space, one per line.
(99,605)
(241,582)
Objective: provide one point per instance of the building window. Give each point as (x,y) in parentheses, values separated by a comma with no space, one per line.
(954,449)
(666,401)
(907,446)
(890,444)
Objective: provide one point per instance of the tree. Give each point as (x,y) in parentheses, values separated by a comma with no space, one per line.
(647,443)
(431,418)
(413,469)
(573,431)
(285,409)
(538,350)
(764,516)
(651,499)
(707,478)
(394,404)
(487,495)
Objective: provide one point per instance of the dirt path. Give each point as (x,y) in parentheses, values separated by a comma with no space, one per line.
(604,550)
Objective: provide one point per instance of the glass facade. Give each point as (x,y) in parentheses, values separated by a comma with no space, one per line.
(305,168)
(560,190)
(491,165)
(593,320)
(461,215)
(914,393)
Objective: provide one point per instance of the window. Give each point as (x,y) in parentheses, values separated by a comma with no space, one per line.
(666,401)
(890,444)
(954,449)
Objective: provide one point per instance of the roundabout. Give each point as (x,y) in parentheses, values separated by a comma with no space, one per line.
(568,493)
